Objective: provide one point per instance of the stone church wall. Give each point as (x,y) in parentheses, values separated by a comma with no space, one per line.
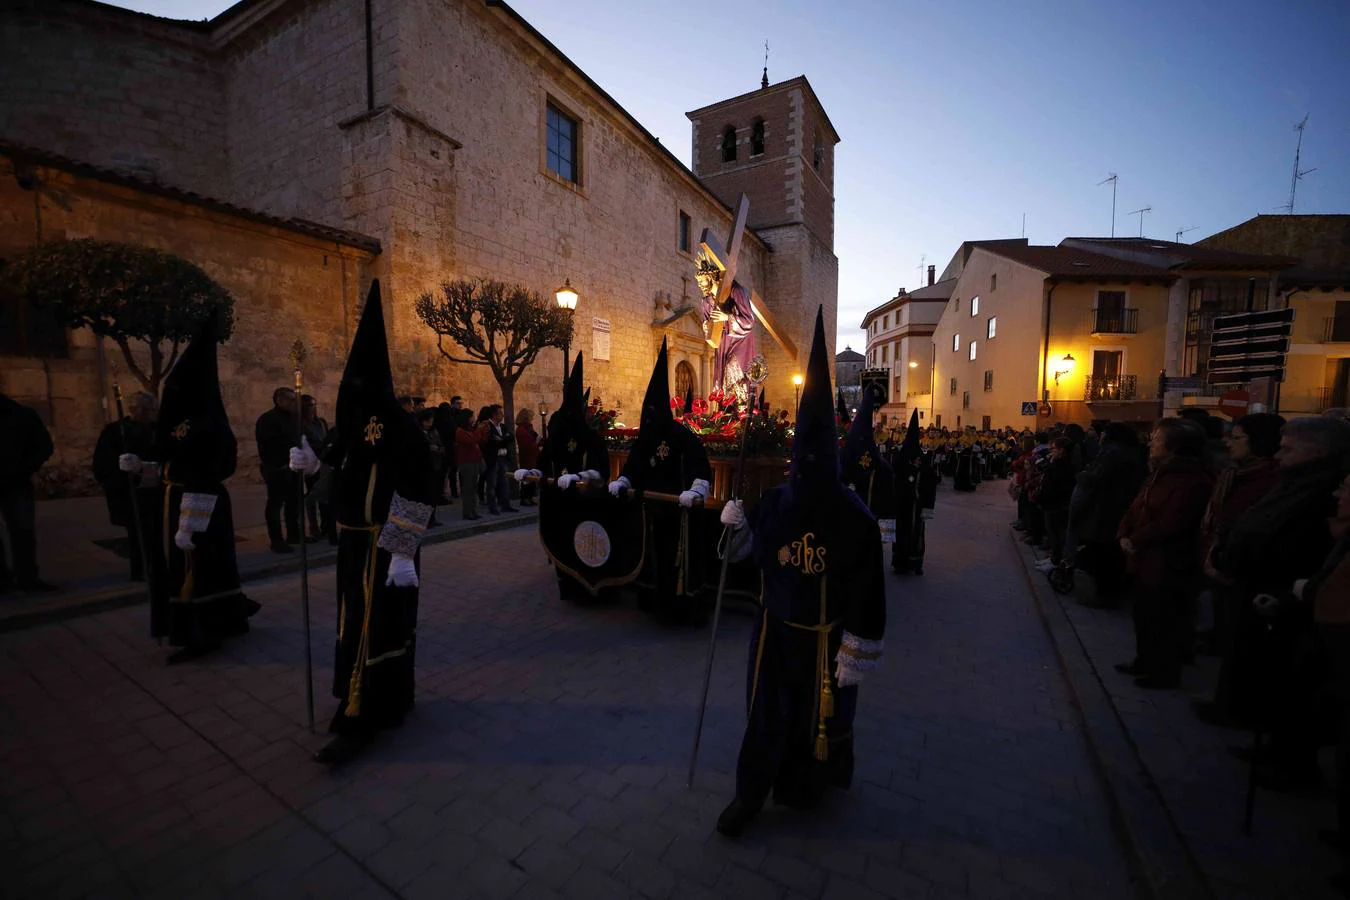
(119,90)
(286,285)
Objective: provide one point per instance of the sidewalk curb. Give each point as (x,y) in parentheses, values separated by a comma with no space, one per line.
(57,609)
(1159,854)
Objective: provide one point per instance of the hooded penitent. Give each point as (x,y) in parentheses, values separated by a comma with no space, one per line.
(865,469)
(841,408)
(912,448)
(666,456)
(572,446)
(194,431)
(368,411)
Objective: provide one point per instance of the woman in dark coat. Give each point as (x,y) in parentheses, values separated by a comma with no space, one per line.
(1101,497)
(1160,536)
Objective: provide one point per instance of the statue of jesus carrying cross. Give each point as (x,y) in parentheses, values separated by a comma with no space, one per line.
(727,309)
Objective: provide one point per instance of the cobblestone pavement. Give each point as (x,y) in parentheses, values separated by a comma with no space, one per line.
(547,753)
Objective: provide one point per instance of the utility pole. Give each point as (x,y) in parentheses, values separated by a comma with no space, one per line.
(1298,175)
(1141,217)
(1112,177)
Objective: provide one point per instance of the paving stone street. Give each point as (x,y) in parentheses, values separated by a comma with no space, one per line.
(547,753)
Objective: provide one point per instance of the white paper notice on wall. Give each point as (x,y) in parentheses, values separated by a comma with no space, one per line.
(600,339)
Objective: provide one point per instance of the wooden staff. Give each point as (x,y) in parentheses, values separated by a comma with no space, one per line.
(132,483)
(721,590)
(298,358)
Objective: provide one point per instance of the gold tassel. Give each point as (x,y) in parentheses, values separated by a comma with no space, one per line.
(826,700)
(354,694)
(822,743)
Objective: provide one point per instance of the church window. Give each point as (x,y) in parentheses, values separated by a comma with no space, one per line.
(974,306)
(729,144)
(563,146)
(686,228)
(991,331)
(953,387)
(757,138)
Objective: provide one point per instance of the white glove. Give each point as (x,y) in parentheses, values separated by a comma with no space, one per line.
(519,474)
(303,458)
(591,475)
(1266,605)
(566,481)
(619,486)
(129,462)
(846,676)
(182,539)
(733,514)
(402,572)
(690,498)
(925,514)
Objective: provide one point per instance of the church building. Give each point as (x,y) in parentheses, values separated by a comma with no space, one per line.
(296,149)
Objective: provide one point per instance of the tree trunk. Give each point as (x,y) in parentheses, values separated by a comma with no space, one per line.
(508,386)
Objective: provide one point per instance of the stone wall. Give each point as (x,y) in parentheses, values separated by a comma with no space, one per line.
(286,286)
(125,91)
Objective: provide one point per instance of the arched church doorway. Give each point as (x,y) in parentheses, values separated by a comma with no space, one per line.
(684,379)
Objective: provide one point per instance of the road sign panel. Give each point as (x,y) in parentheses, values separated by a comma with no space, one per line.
(1234,403)
(1029,407)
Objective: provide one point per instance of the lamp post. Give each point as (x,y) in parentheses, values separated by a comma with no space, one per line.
(796,391)
(567,299)
(1066,365)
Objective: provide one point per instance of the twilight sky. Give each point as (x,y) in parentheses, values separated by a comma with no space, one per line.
(957,118)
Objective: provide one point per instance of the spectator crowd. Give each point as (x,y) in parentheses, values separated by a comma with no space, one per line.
(1224,539)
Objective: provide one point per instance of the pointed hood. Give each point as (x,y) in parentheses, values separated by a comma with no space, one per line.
(574,395)
(815,444)
(367,388)
(861,438)
(841,408)
(656,415)
(912,448)
(192,389)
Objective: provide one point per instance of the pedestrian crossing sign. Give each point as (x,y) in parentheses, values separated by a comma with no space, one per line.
(1029,408)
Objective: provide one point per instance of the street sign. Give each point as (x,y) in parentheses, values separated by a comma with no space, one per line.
(1029,407)
(1234,403)
(1246,346)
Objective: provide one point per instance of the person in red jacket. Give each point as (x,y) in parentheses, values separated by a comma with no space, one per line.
(469,461)
(527,452)
(1160,536)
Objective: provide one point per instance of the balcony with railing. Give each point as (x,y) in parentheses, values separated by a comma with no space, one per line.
(1115,321)
(1336,330)
(1112,389)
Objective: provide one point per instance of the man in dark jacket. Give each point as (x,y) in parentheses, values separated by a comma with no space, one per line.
(276,432)
(135,433)
(1160,537)
(1101,496)
(1280,539)
(24,446)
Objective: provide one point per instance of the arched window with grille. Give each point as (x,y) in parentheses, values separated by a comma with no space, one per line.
(729,144)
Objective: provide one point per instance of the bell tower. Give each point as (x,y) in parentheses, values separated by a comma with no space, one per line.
(776,145)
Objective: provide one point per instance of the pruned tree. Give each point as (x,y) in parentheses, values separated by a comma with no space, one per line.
(494,324)
(126,293)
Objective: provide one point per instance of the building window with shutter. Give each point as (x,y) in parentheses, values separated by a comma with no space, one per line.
(991,331)
(988,379)
(563,156)
(729,144)
(965,400)
(953,387)
(972,350)
(974,306)
(956,343)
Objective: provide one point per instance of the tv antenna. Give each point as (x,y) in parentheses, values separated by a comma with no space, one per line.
(1112,177)
(923,259)
(1181,231)
(1298,175)
(1141,217)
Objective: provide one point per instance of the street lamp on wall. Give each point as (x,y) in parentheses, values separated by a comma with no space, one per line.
(796,391)
(566,297)
(1065,367)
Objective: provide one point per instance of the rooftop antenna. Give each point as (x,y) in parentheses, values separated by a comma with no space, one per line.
(1298,150)
(1141,217)
(764,80)
(1111,178)
(1024,224)
(923,259)
(1181,231)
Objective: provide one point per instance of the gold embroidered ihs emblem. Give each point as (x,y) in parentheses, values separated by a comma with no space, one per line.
(662,451)
(865,461)
(374,431)
(803,555)
(182,430)
(571,446)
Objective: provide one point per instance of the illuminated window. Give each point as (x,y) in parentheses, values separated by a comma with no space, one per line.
(956,343)
(992,331)
(562,145)
(972,350)
(989,379)
(974,306)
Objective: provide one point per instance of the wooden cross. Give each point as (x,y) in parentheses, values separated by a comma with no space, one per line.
(726,260)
